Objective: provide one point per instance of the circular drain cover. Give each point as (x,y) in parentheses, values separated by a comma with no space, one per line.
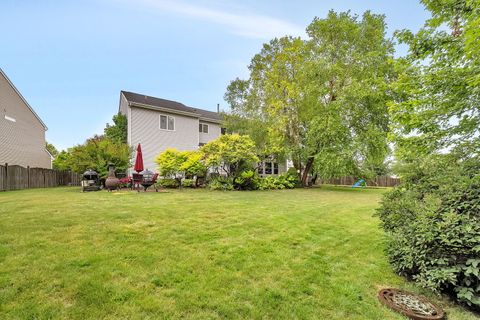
(410,304)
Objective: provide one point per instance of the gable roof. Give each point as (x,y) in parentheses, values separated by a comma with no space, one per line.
(140,100)
(23,99)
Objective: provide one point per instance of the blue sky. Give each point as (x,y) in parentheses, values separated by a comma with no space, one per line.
(70,59)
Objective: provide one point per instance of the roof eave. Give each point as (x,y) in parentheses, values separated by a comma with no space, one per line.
(148,106)
(218,121)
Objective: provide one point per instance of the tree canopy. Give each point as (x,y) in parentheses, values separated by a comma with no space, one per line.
(437,105)
(232,153)
(118,131)
(320,101)
(99,151)
(433,217)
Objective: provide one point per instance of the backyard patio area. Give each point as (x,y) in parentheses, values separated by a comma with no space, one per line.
(195,254)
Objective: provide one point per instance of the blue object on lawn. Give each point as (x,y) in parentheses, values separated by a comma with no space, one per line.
(359,183)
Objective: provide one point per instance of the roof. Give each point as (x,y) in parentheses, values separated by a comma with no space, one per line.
(23,99)
(141,100)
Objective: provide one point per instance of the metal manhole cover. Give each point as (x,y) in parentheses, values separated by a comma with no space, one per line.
(410,304)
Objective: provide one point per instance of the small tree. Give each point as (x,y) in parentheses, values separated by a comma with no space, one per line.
(232,153)
(96,153)
(193,166)
(118,131)
(170,163)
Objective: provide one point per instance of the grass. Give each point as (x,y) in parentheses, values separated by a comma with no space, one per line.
(195,254)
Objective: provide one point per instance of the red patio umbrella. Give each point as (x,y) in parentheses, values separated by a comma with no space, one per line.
(139,160)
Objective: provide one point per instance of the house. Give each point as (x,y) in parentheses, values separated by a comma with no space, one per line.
(159,124)
(22,132)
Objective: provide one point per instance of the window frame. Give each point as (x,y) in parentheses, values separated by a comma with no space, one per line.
(203,126)
(167,122)
(274,168)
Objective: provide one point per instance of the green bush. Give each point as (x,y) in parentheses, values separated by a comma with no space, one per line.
(188,183)
(221,183)
(167,183)
(433,223)
(270,183)
(284,181)
(248,180)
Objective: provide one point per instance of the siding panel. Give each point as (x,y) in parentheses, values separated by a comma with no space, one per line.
(214,131)
(145,130)
(22,142)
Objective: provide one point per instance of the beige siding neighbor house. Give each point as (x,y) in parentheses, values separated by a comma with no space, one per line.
(22,132)
(159,124)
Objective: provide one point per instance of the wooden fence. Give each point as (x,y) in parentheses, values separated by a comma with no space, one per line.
(380,181)
(17,177)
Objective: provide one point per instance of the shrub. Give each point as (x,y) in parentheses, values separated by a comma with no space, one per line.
(433,223)
(248,180)
(288,181)
(270,183)
(284,181)
(221,183)
(232,153)
(167,183)
(188,183)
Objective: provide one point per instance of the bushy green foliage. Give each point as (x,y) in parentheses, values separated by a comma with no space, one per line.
(433,222)
(188,183)
(170,162)
(248,180)
(221,183)
(99,151)
(284,181)
(96,153)
(194,166)
(51,149)
(320,100)
(168,183)
(232,153)
(181,164)
(118,131)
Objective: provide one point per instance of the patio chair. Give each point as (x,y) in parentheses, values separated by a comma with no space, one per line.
(136,181)
(154,180)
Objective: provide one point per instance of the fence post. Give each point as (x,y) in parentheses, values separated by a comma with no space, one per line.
(28,177)
(6,177)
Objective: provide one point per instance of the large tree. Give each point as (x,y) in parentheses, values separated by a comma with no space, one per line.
(320,101)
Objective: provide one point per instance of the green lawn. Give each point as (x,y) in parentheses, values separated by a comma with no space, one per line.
(194,254)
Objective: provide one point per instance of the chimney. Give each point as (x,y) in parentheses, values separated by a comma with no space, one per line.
(218,107)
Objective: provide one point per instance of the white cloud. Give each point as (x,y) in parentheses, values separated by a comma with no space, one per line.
(243,24)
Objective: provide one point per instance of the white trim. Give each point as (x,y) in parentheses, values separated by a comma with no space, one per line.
(198,145)
(147,106)
(129,125)
(23,99)
(167,116)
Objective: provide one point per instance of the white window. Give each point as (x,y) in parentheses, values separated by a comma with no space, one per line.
(202,127)
(268,167)
(10,118)
(167,122)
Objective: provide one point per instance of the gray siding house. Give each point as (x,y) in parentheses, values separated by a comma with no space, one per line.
(159,124)
(22,132)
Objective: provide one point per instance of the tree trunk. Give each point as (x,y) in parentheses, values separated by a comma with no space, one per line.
(308,167)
